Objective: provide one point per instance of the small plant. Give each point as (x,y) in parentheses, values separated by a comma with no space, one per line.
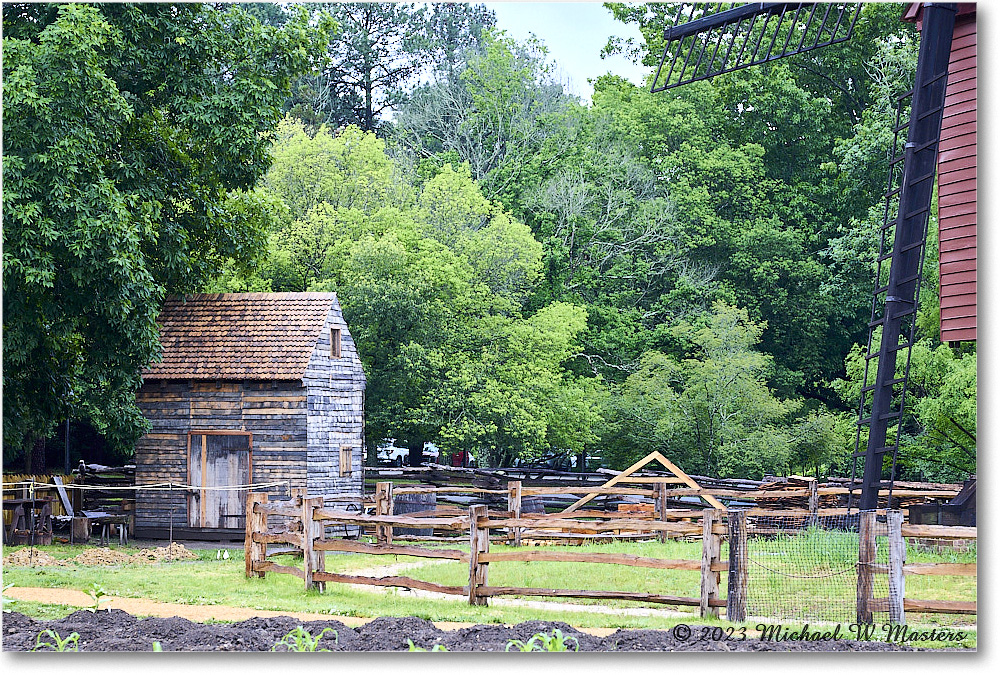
(8,603)
(540,642)
(97,594)
(157,647)
(415,648)
(300,640)
(70,643)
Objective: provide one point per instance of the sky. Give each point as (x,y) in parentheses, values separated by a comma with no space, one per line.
(574,33)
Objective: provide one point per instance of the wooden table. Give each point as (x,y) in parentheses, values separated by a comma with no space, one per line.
(31,521)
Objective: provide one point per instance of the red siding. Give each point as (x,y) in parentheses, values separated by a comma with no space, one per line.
(957,209)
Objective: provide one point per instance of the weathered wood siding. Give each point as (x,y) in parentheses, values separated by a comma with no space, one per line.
(957,161)
(336,387)
(274,413)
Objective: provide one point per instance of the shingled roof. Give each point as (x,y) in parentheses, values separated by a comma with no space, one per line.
(239,336)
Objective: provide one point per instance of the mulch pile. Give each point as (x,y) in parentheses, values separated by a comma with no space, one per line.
(30,557)
(116,630)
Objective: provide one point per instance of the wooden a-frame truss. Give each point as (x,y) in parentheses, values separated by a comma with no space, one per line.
(679,477)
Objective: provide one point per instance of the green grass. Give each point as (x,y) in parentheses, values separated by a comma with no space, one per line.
(208,581)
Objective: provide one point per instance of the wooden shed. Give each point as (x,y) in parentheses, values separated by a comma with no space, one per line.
(253,388)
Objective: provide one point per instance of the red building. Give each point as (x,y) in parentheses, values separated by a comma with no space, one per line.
(957,180)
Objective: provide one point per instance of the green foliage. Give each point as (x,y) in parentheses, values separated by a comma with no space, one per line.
(414,648)
(70,643)
(712,410)
(157,647)
(434,281)
(541,642)
(8,603)
(97,594)
(133,136)
(301,640)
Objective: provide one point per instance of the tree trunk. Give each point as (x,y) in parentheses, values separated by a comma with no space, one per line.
(34,458)
(416,447)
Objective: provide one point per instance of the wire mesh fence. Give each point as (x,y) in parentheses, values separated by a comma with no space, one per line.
(805,568)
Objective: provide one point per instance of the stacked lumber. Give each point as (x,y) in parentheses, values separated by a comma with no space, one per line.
(798,498)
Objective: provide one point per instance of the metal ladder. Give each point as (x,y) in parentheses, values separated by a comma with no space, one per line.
(892,328)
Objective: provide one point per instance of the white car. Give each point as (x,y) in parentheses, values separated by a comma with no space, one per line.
(390,453)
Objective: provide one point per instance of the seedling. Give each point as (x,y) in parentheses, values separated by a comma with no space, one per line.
(7,602)
(300,640)
(70,643)
(540,642)
(415,648)
(157,647)
(97,594)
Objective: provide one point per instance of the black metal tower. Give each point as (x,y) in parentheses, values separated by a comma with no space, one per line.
(724,37)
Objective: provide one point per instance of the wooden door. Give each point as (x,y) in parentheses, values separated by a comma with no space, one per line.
(217,460)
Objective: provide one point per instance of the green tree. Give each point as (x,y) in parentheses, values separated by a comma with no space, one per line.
(133,136)
(711,411)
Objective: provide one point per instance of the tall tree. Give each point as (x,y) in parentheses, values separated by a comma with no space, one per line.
(133,136)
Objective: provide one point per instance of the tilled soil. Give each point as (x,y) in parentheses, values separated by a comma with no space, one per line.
(118,631)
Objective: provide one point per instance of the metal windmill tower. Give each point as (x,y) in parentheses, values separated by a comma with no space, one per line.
(709,39)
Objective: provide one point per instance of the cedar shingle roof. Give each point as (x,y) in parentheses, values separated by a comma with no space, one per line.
(239,336)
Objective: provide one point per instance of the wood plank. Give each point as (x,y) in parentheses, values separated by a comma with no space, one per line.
(268,566)
(629,560)
(399,582)
(641,492)
(939,531)
(491,591)
(593,525)
(461,523)
(429,490)
(389,549)
(941,569)
(278,538)
(939,606)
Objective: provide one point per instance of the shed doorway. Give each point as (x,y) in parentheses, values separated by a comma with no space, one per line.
(218,460)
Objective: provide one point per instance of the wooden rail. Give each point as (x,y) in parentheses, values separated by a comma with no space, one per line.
(309,517)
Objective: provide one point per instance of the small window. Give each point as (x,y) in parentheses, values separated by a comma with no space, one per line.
(335,343)
(345,461)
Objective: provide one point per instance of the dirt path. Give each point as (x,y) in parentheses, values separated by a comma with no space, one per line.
(203,613)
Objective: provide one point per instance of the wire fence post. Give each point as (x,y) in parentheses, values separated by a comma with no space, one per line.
(813,502)
(736,592)
(514,506)
(866,562)
(711,546)
(897,558)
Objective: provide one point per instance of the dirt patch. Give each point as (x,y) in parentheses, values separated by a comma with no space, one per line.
(29,557)
(117,630)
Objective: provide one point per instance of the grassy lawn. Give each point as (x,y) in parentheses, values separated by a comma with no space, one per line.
(208,581)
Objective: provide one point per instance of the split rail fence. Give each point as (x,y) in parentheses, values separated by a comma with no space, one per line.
(302,521)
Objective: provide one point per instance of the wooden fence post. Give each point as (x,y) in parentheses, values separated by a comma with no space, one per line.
(813,502)
(383,507)
(711,546)
(661,507)
(255,552)
(866,561)
(897,558)
(315,530)
(312,560)
(479,542)
(514,506)
(736,592)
